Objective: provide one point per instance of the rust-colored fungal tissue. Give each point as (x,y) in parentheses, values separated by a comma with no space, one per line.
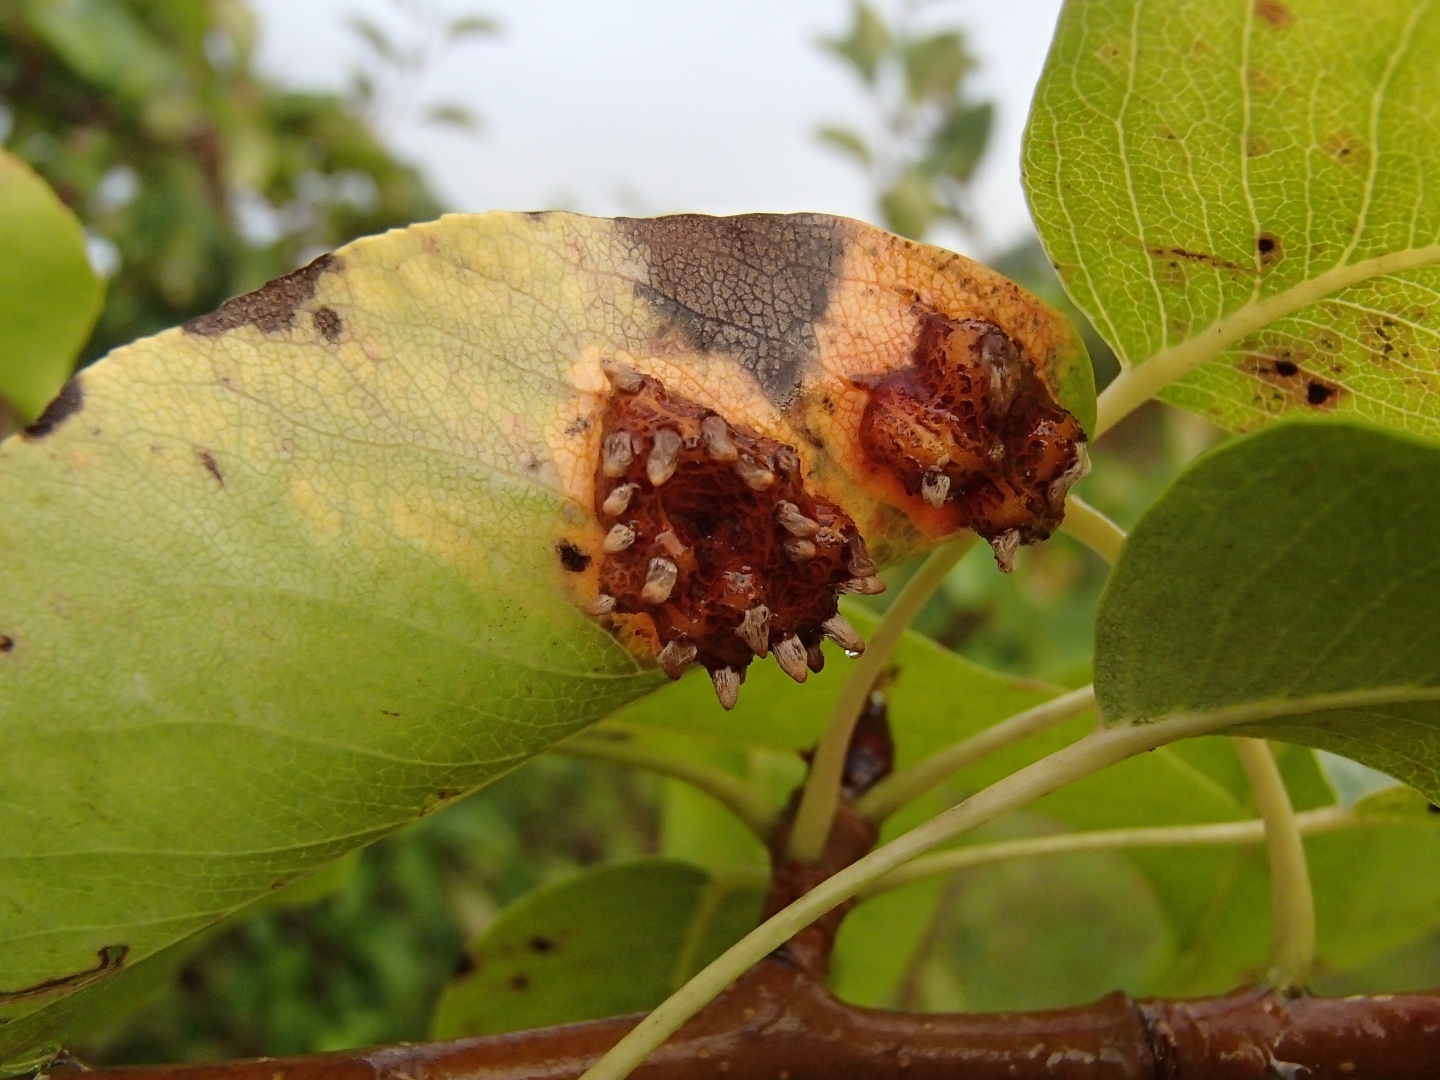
(714,545)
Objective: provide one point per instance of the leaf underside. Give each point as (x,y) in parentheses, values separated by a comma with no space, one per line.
(1260,181)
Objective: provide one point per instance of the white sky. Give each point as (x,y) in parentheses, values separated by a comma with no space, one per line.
(639,106)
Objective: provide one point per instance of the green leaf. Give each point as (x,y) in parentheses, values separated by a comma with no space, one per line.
(454,116)
(106,45)
(49,296)
(1294,566)
(957,147)
(472,26)
(1251,193)
(911,206)
(935,65)
(606,942)
(847,141)
(868,41)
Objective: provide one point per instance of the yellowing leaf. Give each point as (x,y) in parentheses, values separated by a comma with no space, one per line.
(278,581)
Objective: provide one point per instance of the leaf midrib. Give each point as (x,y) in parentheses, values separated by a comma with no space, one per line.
(1145,380)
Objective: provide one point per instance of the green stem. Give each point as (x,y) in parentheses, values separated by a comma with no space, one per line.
(822,785)
(1292,931)
(1092,528)
(906,785)
(745,801)
(1223,833)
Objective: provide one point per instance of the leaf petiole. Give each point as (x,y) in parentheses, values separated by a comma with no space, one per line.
(1217,834)
(822,785)
(906,785)
(746,801)
(1292,931)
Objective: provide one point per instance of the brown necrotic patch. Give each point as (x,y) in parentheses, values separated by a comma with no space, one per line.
(973,437)
(715,550)
(752,286)
(1291,383)
(271,307)
(64,405)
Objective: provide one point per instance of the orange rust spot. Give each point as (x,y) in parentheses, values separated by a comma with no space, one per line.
(705,522)
(971,437)
(1274,13)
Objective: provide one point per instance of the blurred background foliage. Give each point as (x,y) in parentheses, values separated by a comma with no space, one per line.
(196,179)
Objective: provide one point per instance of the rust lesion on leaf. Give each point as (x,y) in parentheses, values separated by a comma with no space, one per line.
(715,550)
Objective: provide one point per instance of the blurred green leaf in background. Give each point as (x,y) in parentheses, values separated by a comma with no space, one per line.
(195,177)
(49,296)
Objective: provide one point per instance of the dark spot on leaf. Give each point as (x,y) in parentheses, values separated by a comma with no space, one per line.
(571,557)
(578,426)
(66,404)
(1274,13)
(1348,149)
(541,944)
(1433,808)
(1255,146)
(520,981)
(1270,249)
(109,958)
(327,321)
(753,286)
(270,308)
(7,643)
(388,712)
(211,465)
(1292,383)
(465,965)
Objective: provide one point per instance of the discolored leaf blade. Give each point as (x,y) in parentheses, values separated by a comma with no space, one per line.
(280,580)
(49,296)
(1248,191)
(1295,566)
(609,941)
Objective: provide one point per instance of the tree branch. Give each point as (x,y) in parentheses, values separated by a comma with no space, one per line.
(780,1023)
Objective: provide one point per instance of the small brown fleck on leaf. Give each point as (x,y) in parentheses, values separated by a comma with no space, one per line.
(270,308)
(211,465)
(1194,256)
(327,321)
(1274,12)
(1348,149)
(65,404)
(1270,248)
(7,643)
(388,712)
(1256,146)
(571,557)
(541,944)
(520,981)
